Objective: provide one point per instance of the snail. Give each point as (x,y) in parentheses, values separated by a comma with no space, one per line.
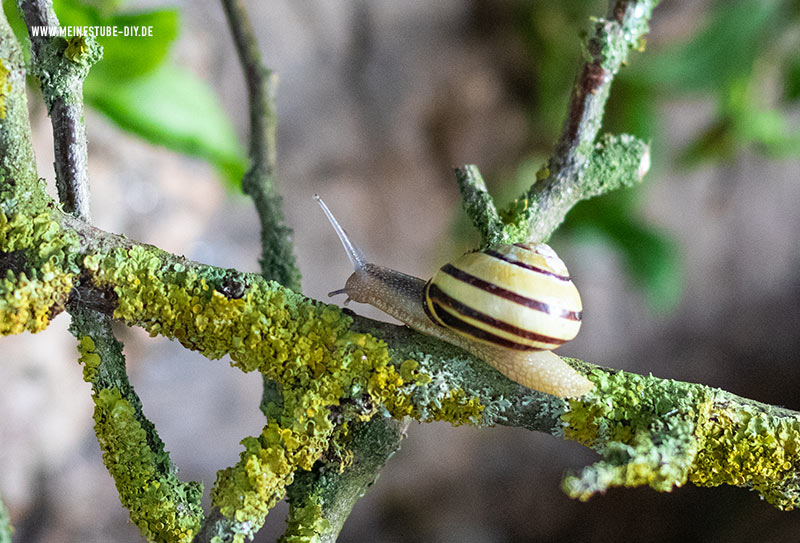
(508,305)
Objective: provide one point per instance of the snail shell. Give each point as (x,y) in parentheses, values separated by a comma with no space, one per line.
(508,305)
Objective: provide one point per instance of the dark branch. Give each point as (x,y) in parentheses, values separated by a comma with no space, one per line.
(64,102)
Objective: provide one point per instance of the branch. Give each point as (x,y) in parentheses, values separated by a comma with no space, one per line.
(18,165)
(331,367)
(580,168)
(163,507)
(606,51)
(61,66)
(277,255)
(326,489)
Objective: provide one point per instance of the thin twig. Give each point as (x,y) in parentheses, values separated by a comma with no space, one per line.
(479,205)
(606,51)
(106,373)
(65,105)
(277,250)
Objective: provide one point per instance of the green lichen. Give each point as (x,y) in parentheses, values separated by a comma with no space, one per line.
(744,445)
(153,499)
(643,426)
(36,271)
(5,88)
(617,161)
(64,64)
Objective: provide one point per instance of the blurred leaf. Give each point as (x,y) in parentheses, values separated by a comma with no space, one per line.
(723,51)
(173,108)
(770,130)
(651,256)
(18,26)
(792,85)
(124,57)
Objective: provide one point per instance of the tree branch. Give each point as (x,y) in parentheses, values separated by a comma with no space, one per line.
(277,253)
(606,50)
(579,168)
(650,431)
(56,60)
(338,491)
(163,507)
(18,165)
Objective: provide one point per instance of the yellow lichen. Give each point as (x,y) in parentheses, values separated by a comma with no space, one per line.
(89,358)
(76,47)
(306,347)
(36,273)
(748,447)
(5,88)
(165,509)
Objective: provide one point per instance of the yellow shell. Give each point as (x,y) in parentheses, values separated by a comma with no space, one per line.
(515,296)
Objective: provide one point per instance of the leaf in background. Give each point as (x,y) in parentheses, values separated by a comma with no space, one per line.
(174,108)
(792,84)
(136,87)
(18,26)
(723,51)
(652,258)
(124,57)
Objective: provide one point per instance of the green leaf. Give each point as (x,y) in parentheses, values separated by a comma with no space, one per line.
(725,50)
(172,107)
(124,57)
(16,23)
(792,84)
(651,257)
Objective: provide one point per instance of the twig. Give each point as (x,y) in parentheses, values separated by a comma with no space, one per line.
(579,168)
(64,102)
(606,50)
(101,353)
(479,206)
(277,253)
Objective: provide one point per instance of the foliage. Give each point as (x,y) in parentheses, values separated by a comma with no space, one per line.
(138,87)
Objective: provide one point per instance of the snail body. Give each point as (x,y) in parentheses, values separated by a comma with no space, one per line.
(509,305)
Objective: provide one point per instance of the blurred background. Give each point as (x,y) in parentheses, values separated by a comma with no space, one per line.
(693,276)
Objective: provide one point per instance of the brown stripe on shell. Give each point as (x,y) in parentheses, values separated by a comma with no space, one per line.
(444,301)
(477,282)
(467,329)
(504,258)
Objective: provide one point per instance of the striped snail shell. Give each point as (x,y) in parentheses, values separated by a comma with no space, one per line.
(508,305)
